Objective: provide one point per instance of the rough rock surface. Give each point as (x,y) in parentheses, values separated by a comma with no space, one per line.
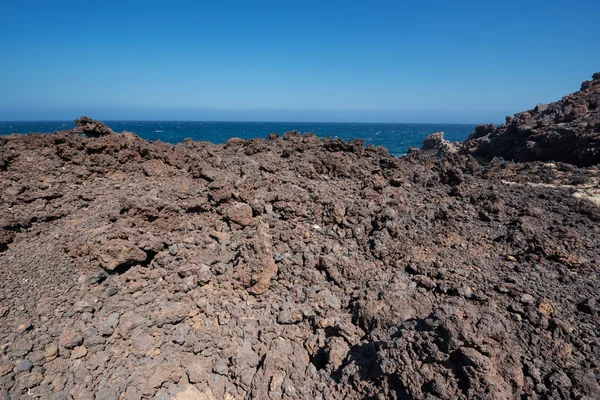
(436,146)
(292,268)
(92,128)
(566,131)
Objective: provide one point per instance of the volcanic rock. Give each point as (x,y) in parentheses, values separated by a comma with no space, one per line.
(566,131)
(78,352)
(297,267)
(240,214)
(70,338)
(23,366)
(435,145)
(92,128)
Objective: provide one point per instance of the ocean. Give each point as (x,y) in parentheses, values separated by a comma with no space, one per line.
(397,138)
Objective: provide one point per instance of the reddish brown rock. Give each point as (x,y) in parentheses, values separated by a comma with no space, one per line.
(292,268)
(78,352)
(240,214)
(69,338)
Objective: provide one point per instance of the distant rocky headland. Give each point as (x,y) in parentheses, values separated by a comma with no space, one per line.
(567,131)
(299,267)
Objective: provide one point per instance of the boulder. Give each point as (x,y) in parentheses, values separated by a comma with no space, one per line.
(92,128)
(436,146)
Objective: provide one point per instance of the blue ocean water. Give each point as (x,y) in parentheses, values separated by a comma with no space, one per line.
(397,138)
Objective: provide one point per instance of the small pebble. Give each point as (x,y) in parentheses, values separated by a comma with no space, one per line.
(24,327)
(516,308)
(51,352)
(465,291)
(70,338)
(78,352)
(24,366)
(527,299)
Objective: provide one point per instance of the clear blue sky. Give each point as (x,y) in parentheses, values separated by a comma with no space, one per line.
(388,61)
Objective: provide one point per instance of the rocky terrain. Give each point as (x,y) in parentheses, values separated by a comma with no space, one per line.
(293,267)
(566,131)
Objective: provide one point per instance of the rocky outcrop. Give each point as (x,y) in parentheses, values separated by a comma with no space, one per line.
(436,146)
(566,131)
(92,128)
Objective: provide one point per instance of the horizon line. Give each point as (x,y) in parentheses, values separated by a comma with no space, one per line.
(245,121)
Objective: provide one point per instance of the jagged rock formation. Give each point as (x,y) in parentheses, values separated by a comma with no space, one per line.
(436,146)
(292,268)
(92,128)
(566,131)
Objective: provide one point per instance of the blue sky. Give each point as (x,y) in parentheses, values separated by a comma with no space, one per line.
(387,61)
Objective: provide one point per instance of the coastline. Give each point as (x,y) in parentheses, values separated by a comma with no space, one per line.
(299,266)
(396,137)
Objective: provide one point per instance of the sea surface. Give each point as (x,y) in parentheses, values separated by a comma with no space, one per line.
(397,138)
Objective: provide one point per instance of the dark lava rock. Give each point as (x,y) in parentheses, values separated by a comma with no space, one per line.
(92,128)
(24,366)
(566,131)
(107,327)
